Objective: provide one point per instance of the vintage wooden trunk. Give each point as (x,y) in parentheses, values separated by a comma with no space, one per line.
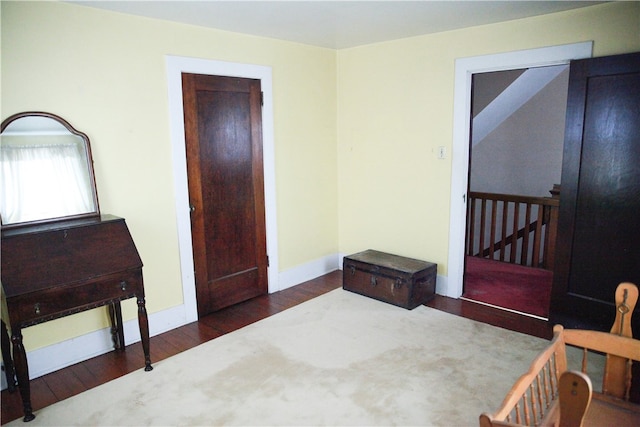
(405,282)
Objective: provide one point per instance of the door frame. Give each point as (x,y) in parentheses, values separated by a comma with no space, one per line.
(464,69)
(176,65)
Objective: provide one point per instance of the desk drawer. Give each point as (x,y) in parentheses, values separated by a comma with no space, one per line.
(30,309)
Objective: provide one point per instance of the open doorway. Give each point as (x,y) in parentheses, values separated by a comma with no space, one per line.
(515,162)
(451,285)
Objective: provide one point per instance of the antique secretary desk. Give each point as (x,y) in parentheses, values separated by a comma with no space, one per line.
(59,255)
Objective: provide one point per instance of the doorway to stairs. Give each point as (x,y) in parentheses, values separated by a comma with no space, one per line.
(464,69)
(515,161)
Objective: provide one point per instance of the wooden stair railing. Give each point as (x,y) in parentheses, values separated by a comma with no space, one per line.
(512,228)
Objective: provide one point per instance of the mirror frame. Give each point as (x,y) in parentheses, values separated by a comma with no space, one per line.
(92,180)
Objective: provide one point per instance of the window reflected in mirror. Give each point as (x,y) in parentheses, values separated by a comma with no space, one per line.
(46,171)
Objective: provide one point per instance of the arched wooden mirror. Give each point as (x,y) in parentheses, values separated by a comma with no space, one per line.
(46,171)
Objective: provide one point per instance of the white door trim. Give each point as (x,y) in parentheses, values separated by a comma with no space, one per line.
(464,69)
(176,65)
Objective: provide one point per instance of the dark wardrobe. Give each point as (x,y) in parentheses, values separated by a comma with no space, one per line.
(598,242)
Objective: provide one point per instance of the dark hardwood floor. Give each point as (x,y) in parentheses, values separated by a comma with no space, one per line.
(83,376)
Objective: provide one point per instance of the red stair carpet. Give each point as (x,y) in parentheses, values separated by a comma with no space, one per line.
(510,286)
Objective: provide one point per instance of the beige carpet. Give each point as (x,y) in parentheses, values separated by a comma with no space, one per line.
(339,359)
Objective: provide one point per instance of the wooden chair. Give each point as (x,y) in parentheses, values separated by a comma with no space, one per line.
(574,395)
(549,394)
(618,368)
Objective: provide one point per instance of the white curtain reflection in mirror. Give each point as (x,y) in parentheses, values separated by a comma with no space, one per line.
(44,178)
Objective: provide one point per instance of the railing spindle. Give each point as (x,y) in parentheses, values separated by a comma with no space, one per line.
(535,262)
(503,241)
(514,235)
(550,233)
(472,226)
(524,256)
(492,234)
(483,216)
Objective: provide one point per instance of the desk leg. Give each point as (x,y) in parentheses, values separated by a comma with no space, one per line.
(9,371)
(117,329)
(143,322)
(22,373)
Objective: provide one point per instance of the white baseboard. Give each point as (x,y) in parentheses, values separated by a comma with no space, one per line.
(66,353)
(311,270)
(442,286)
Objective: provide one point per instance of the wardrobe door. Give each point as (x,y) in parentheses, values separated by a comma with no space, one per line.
(598,242)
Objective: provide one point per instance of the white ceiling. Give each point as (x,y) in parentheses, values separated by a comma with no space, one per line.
(337,24)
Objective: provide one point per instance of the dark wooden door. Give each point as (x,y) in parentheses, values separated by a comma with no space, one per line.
(598,242)
(223,132)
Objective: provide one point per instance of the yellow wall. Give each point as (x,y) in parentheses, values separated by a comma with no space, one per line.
(395,108)
(356,131)
(105,73)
